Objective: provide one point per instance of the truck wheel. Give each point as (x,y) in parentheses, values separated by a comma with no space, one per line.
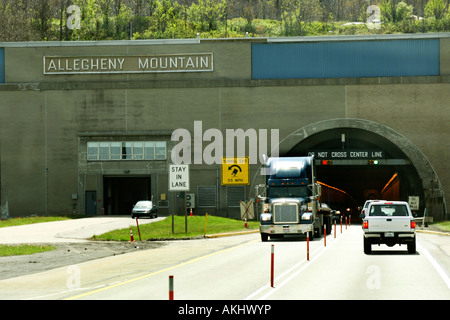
(264,237)
(367,246)
(318,231)
(412,246)
(329,227)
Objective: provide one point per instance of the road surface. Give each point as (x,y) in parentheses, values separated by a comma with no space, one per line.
(74,230)
(239,268)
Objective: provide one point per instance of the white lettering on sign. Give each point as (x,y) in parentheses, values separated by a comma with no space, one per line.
(377,154)
(179,177)
(129,64)
(413,202)
(342,154)
(103,64)
(358,154)
(350,154)
(174,63)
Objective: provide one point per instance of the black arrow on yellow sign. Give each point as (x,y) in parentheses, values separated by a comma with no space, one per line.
(235,170)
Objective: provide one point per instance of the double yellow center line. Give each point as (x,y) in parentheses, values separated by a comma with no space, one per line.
(80,296)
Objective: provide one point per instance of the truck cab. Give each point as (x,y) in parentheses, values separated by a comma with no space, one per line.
(290,199)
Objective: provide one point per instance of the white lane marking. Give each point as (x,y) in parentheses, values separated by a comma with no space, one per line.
(315,254)
(435,264)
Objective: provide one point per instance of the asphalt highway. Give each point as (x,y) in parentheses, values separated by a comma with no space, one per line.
(239,268)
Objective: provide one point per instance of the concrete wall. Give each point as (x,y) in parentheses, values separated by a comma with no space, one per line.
(46,120)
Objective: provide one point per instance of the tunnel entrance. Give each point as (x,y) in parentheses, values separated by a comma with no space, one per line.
(357,160)
(121,193)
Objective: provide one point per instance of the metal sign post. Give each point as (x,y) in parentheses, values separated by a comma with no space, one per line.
(179,181)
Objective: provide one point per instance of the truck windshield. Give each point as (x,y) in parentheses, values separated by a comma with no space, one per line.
(288,192)
(380,210)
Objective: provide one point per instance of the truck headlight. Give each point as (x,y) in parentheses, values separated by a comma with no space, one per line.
(307,216)
(266,217)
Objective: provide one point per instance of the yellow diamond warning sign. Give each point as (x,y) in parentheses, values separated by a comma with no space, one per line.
(235,171)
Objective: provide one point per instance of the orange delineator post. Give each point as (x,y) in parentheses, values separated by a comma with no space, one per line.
(170,287)
(307,246)
(131,236)
(271,266)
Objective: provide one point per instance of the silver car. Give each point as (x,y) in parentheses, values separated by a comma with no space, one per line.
(144,208)
(366,205)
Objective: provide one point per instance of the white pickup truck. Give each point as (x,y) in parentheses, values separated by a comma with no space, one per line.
(390,223)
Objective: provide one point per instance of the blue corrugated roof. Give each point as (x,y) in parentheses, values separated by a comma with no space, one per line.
(346,59)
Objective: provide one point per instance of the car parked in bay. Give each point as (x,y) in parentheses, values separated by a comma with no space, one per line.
(144,208)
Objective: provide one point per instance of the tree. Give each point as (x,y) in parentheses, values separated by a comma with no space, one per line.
(122,20)
(388,12)
(207,15)
(165,19)
(403,11)
(42,11)
(297,13)
(355,10)
(394,11)
(435,9)
(90,21)
(15,21)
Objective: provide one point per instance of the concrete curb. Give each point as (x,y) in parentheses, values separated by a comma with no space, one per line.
(434,232)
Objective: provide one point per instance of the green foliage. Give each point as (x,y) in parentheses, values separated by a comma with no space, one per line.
(443,226)
(29,220)
(403,11)
(24,249)
(436,9)
(298,16)
(207,15)
(165,19)
(392,12)
(163,229)
(266,28)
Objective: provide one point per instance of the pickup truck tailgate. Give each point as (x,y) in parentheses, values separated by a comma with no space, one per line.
(392,224)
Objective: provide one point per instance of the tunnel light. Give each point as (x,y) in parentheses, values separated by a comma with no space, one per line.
(326,162)
(375,162)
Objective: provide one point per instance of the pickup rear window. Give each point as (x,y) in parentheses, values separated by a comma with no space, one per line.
(392,210)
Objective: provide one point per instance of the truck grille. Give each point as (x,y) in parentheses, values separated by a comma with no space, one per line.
(285,213)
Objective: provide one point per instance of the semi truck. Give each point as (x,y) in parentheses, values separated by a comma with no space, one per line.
(290,199)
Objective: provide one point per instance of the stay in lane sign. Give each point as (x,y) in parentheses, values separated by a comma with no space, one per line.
(179,177)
